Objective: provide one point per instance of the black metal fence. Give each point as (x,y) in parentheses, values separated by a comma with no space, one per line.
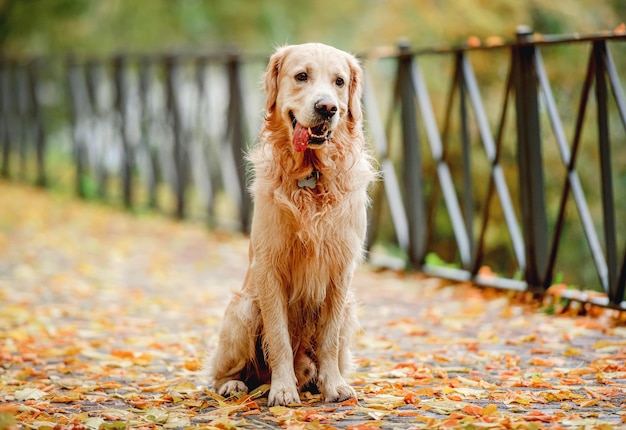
(534,228)
(141,129)
(493,191)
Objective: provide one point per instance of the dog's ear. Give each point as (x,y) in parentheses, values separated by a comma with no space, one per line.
(271,79)
(356,91)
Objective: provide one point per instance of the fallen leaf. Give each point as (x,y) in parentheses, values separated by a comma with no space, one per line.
(29,394)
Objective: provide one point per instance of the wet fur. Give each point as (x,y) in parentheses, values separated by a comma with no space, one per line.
(294,319)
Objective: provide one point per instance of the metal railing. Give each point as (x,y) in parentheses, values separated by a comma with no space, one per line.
(183,120)
(154,126)
(535,234)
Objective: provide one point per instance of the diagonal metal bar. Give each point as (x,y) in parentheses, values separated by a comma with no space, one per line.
(491,150)
(572,183)
(497,183)
(479,110)
(584,99)
(443,170)
(390,178)
(616,87)
(447,119)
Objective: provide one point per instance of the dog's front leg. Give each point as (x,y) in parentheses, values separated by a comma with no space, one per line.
(277,341)
(333,386)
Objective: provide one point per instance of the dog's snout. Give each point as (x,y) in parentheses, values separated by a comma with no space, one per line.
(326,108)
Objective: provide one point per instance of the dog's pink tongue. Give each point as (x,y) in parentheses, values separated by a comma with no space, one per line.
(300,138)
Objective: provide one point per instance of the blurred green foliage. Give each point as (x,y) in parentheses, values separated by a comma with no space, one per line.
(105,26)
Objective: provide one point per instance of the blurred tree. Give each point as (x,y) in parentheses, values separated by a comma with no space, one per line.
(92,26)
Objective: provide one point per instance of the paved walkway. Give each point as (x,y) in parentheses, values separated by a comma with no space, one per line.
(105,318)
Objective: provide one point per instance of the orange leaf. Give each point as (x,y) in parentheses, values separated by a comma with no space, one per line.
(311,415)
(110,385)
(411,398)
(484,270)
(538,416)
(9,408)
(582,371)
(494,41)
(573,381)
(193,365)
(473,410)
(365,426)
(139,403)
(473,42)
(536,361)
(350,402)
(408,413)
(122,354)
(451,422)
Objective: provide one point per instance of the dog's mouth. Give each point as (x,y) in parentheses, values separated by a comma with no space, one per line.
(304,137)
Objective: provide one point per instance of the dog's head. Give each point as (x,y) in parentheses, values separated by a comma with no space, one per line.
(312,91)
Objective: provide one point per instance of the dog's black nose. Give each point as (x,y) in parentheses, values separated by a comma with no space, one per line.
(326,108)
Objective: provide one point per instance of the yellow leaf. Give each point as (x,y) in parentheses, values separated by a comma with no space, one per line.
(185,387)
(490,409)
(600,344)
(260,391)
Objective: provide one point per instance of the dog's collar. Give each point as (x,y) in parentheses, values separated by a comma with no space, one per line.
(311,180)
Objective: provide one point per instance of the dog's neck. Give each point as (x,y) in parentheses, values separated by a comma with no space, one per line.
(311,180)
(311,161)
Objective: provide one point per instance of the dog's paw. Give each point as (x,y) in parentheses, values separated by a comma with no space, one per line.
(283,396)
(339,393)
(306,371)
(231,387)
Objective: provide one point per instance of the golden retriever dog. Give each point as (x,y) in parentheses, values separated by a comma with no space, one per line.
(294,319)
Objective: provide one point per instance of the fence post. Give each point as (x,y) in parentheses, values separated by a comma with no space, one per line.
(94,74)
(146,70)
(237,133)
(121,93)
(37,122)
(604,144)
(466,151)
(5,112)
(412,162)
(180,149)
(530,164)
(23,117)
(76,107)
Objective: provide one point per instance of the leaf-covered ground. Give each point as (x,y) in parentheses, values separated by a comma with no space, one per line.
(105,319)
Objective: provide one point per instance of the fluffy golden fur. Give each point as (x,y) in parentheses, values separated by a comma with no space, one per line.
(294,319)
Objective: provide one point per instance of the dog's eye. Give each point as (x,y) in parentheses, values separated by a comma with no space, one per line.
(339,82)
(302,77)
